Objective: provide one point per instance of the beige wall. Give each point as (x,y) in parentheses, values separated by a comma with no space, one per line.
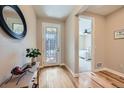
(13,51)
(115,48)
(39,34)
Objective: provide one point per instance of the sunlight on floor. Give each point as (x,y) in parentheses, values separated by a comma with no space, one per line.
(85,66)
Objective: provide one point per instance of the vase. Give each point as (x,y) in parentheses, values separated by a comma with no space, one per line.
(33,61)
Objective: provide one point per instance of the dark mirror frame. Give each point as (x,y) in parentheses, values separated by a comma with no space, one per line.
(5,26)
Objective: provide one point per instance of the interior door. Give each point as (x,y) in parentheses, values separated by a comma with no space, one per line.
(51,45)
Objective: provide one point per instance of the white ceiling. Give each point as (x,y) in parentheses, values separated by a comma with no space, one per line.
(53,11)
(103,9)
(62,11)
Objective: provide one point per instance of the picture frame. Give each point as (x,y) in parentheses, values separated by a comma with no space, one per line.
(119,34)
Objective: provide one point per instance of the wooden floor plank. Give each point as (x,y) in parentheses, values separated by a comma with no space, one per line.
(121,79)
(55,77)
(101,81)
(113,81)
(85,81)
(60,77)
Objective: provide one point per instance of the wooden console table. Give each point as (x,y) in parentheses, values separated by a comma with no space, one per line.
(27,81)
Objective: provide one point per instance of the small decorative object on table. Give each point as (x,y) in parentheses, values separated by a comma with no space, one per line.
(19,71)
(33,53)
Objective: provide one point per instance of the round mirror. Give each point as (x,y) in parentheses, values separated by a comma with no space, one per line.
(12,21)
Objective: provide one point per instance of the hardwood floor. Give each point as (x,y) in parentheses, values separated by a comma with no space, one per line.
(60,77)
(55,77)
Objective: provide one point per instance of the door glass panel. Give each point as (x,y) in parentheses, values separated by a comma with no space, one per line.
(51,39)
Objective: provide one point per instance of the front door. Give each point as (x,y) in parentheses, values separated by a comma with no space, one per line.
(51,43)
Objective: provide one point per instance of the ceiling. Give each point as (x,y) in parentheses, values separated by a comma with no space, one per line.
(61,12)
(103,9)
(53,11)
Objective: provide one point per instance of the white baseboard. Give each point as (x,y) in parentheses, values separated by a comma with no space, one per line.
(52,65)
(73,74)
(112,71)
(115,72)
(41,67)
(62,64)
(97,70)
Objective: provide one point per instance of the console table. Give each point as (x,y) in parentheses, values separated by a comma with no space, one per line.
(29,80)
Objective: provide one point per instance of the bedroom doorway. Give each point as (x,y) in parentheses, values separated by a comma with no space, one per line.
(85,44)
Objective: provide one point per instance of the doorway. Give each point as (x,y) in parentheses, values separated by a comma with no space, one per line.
(51,44)
(85,44)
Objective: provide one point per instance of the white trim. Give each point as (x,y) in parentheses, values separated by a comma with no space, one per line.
(115,72)
(111,70)
(97,70)
(62,64)
(73,74)
(41,67)
(50,65)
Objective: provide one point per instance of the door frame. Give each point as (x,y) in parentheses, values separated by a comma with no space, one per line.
(44,24)
(92,42)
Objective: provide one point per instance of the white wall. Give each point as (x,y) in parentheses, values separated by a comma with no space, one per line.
(13,51)
(82,42)
(88,41)
(85,41)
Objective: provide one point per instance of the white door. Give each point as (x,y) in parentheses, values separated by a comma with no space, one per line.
(51,44)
